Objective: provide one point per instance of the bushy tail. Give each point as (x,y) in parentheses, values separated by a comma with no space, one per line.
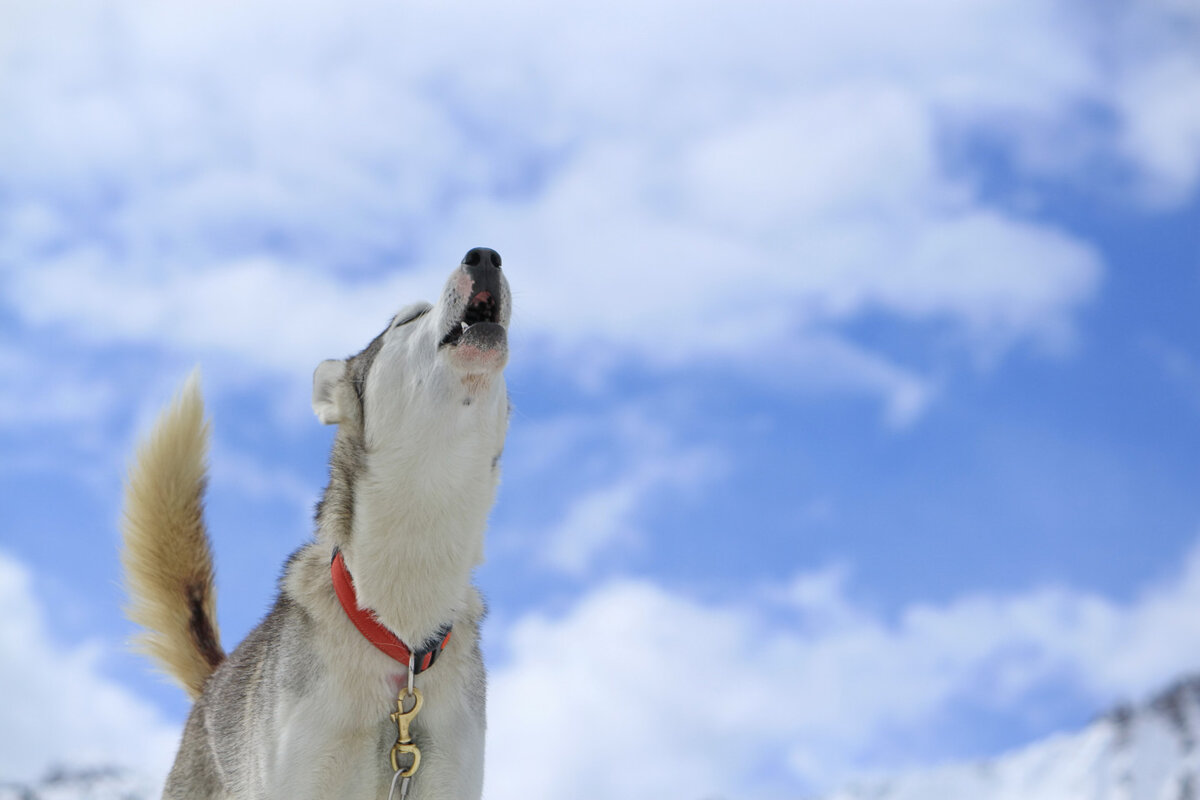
(167,559)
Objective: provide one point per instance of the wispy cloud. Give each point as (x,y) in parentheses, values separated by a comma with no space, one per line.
(611,472)
(610,515)
(1179,366)
(40,389)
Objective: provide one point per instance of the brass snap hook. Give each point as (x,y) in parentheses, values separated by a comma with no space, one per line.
(404,742)
(401,749)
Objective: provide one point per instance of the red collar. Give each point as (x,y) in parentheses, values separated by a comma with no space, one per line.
(373,630)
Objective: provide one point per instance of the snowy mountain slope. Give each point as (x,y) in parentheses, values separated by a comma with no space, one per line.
(1147,752)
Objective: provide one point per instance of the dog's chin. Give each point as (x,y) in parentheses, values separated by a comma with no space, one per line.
(482,349)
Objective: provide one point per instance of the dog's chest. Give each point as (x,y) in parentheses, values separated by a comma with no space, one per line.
(338,738)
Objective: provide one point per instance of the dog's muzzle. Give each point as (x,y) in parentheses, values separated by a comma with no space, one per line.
(480,324)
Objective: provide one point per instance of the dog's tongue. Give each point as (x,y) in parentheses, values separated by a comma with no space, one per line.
(482,297)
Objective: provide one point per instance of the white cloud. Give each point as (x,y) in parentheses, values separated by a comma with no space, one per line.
(240,471)
(1161,129)
(823,362)
(42,391)
(274,314)
(59,708)
(638,691)
(669,182)
(1155,89)
(765,250)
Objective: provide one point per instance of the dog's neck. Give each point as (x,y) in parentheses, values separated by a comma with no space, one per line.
(418,514)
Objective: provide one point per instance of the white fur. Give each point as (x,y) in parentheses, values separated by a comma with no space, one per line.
(433,427)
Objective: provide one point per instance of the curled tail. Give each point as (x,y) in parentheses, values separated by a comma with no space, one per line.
(167,559)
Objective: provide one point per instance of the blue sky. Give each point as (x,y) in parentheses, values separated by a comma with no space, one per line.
(855,356)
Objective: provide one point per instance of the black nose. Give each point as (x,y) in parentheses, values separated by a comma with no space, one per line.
(482,255)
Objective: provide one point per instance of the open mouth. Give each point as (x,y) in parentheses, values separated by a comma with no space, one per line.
(483,311)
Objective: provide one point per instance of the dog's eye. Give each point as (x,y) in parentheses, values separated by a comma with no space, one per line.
(408,315)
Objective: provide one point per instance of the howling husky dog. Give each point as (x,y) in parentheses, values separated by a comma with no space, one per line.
(301,708)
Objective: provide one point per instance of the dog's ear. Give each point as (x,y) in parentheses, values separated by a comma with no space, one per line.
(327,380)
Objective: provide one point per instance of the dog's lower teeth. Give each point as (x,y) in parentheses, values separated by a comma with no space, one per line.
(465,326)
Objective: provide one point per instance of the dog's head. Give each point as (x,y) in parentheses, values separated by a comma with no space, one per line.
(432,368)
